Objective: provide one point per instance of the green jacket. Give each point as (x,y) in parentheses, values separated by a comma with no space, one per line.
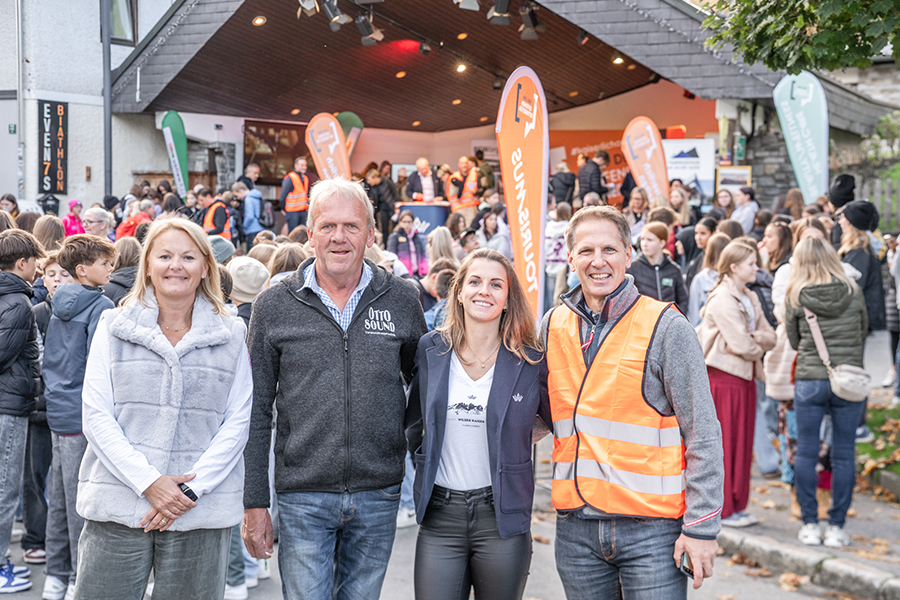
(844,323)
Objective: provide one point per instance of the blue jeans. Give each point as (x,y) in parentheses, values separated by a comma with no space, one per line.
(13,433)
(406,488)
(767,458)
(336,545)
(593,555)
(812,399)
(295,219)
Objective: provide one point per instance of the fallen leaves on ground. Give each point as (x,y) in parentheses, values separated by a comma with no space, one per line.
(540,539)
(791,582)
(760,572)
(739,558)
(725,597)
(767,503)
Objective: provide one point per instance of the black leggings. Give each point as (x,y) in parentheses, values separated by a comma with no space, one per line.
(459,547)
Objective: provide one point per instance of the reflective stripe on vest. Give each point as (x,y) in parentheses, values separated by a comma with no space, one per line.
(612,450)
(298,198)
(208,224)
(465,197)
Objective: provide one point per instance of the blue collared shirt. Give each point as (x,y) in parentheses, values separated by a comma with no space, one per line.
(342,318)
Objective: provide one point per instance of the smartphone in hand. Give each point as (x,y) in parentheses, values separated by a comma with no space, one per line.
(686,567)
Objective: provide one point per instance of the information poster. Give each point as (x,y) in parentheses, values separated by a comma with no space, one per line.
(53,129)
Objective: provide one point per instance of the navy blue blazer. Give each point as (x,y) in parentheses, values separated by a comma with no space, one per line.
(513,403)
(414,185)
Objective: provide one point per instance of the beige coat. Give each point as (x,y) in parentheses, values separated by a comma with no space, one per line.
(728,344)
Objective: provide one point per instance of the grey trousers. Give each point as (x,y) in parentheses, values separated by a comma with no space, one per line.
(13,432)
(115,563)
(63,522)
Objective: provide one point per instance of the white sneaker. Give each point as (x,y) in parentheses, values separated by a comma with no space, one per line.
(16,535)
(70,592)
(835,537)
(251,582)
(890,379)
(149,591)
(810,534)
(406,518)
(264,572)
(54,588)
(237,592)
(895,402)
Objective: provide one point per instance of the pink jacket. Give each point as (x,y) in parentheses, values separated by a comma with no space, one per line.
(72,223)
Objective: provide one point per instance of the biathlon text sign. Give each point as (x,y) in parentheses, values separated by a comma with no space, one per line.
(53,144)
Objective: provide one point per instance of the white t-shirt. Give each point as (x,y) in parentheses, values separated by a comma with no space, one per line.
(427,188)
(465,464)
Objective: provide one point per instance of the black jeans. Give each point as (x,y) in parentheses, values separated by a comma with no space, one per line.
(38,454)
(459,547)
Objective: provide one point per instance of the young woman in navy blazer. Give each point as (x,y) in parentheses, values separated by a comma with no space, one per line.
(475,396)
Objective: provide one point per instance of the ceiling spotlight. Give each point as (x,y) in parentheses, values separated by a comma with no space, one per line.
(499,13)
(416,123)
(632,67)
(497,84)
(260,20)
(400,74)
(530,24)
(617,59)
(582,37)
(483,119)
(467,4)
(424,48)
(308,7)
(296,111)
(460,68)
(462,36)
(457,101)
(335,17)
(573,94)
(370,34)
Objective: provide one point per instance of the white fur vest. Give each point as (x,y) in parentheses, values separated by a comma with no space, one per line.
(170,402)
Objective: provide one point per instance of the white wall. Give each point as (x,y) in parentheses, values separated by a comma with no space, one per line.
(8,148)
(138,146)
(7,45)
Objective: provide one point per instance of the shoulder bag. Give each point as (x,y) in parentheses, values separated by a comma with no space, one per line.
(847,382)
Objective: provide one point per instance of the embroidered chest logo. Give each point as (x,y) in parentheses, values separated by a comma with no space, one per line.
(517,397)
(378,322)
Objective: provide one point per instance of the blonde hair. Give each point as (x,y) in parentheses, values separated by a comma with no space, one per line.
(128,253)
(814,262)
(517,330)
(851,239)
(440,245)
(683,212)
(734,253)
(263,253)
(714,246)
(328,189)
(210,286)
(287,258)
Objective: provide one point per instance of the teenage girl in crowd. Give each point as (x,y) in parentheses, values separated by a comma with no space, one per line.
(406,243)
(735,334)
(655,275)
(706,279)
(818,283)
(476,394)
(703,230)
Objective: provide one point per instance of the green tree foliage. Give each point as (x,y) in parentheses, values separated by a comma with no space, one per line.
(806,34)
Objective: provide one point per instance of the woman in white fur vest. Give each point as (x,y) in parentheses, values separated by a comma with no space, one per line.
(166,409)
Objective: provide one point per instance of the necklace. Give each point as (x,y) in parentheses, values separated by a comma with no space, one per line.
(177,330)
(490,354)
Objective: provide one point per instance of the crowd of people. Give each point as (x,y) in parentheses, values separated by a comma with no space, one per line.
(399,379)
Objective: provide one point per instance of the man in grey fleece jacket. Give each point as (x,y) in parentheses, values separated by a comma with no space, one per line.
(675,383)
(330,347)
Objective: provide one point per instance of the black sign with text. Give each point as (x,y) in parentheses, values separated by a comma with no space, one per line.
(53,125)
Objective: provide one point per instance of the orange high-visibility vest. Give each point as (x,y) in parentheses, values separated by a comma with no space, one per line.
(208,224)
(466,197)
(298,198)
(612,450)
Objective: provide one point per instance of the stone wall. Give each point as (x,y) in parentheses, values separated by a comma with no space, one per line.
(772,173)
(880,81)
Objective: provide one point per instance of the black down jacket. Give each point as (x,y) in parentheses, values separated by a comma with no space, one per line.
(20,364)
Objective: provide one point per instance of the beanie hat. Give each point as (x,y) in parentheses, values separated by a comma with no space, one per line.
(841,191)
(249,276)
(862,214)
(222,248)
(74,202)
(109,202)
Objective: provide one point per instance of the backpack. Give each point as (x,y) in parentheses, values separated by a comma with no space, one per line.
(266,214)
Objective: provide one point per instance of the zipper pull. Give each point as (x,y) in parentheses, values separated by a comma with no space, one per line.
(590,339)
(345,342)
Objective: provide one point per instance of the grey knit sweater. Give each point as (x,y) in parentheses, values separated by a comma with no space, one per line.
(339,395)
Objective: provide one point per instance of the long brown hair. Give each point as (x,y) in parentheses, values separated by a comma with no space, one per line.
(714,246)
(517,330)
(785,243)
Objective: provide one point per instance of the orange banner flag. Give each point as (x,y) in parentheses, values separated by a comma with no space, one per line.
(524,146)
(325,140)
(643,149)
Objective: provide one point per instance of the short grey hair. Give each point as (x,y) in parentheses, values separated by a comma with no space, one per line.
(145,204)
(328,189)
(97,214)
(598,213)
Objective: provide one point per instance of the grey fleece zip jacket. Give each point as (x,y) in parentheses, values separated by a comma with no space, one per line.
(675,383)
(339,395)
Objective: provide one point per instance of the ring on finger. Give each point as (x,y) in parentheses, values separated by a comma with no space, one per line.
(163,522)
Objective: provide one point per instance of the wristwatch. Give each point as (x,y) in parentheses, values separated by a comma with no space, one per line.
(188,492)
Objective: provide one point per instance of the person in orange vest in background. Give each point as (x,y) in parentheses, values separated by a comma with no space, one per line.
(215,214)
(295,195)
(464,193)
(637,459)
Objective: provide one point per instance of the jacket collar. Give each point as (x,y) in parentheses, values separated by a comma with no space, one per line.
(137,324)
(616,304)
(380,278)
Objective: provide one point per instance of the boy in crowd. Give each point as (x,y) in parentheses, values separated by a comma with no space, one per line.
(38,448)
(20,383)
(76,310)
